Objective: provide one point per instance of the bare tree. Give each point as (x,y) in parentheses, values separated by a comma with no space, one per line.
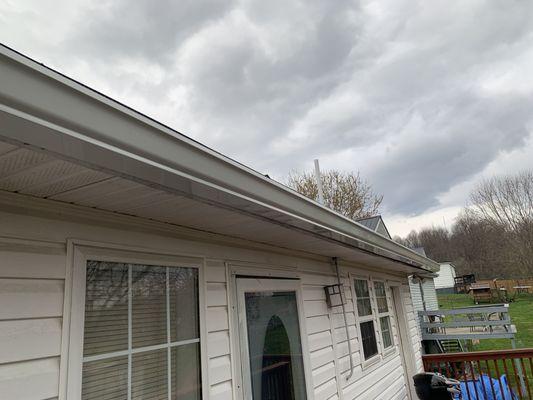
(480,247)
(436,242)
(507,202)
(493,236)
(346,193)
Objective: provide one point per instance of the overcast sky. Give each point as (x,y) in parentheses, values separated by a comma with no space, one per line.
(424,98)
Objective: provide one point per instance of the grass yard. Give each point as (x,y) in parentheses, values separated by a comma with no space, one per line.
(521,311)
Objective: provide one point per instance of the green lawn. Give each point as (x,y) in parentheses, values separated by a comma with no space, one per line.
(521,311)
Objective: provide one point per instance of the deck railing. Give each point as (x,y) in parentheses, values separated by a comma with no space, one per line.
(478,322)
(503,374)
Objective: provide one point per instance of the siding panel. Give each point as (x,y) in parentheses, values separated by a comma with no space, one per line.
(218,336)
(29,339)
(323,378)
(30,298)
(31,265)
(30,380)
(221,391)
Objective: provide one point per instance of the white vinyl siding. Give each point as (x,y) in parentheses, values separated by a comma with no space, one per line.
(413,326)
(430,295)
(218,334)
(321,325)
(30,364)
(445,278)
(31,298)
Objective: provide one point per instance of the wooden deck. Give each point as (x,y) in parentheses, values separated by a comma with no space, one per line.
(478,322)
(484,373)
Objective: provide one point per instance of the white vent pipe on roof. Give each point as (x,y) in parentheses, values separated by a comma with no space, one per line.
(319,182)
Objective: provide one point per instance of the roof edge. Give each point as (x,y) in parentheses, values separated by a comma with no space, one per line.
(102,121)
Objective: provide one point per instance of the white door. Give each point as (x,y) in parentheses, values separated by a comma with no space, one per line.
(272,363)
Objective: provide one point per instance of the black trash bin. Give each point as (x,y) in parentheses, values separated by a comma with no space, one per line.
(432,386)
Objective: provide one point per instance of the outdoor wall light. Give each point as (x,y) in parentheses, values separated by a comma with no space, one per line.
(335,295)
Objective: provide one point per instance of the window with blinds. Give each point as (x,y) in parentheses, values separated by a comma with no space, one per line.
(141,333)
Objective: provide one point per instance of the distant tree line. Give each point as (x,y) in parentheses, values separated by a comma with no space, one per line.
(493,235)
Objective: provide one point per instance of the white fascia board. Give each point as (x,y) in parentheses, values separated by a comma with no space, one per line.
(48,111)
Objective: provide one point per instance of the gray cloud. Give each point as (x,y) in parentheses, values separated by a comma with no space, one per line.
(419,97)
(144,28)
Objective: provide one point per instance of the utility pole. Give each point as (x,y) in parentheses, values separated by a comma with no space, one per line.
(319,182)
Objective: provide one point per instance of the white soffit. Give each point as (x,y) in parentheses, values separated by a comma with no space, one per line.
(33,173)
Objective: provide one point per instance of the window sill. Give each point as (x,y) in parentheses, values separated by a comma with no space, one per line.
(389,351)
(371,361)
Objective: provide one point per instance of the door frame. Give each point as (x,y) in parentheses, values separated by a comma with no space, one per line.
(406,347)
(273,280)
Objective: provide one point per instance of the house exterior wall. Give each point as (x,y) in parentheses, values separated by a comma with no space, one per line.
(445,278)
(35,288)
(430,295)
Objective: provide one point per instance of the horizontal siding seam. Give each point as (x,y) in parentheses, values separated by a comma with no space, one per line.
(30,278)
(329,381)
(29,360)
(32,318)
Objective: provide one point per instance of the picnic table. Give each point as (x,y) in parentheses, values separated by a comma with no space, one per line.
(522,288)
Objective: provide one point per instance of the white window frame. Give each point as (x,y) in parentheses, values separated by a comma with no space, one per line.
(82,254)
(382,352)
(388,313)
(359,320)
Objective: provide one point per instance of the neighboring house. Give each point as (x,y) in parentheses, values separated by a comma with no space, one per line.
(137,263)
(423,293)
(423,290)
(445,279)
(376,224)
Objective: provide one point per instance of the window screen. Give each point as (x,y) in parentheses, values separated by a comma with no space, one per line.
(141,333)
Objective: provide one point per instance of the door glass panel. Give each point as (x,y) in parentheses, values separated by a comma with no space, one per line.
(275,351)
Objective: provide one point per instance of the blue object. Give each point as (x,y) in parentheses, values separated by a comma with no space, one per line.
(493,390)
